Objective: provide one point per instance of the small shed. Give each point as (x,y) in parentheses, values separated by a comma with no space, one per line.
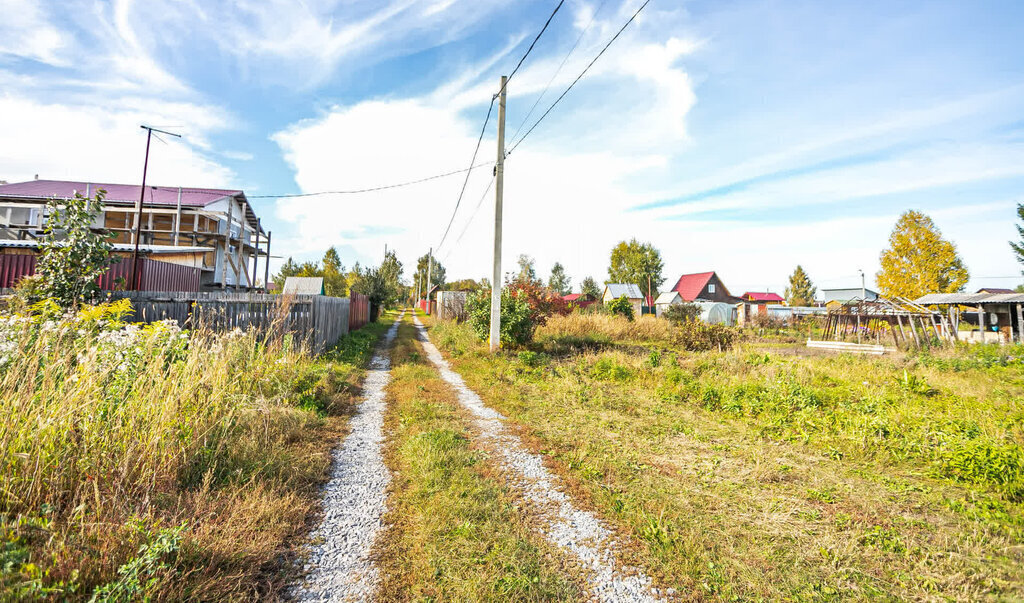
(632,292)
(303,285)
(666,299)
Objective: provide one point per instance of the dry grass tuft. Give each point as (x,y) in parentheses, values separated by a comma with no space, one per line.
(613,327)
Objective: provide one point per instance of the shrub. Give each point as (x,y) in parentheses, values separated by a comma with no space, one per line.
(680,313)
(622,307)
(697,336)
(517,324)
(73,255)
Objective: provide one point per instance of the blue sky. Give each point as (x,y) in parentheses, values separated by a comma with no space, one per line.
(742,137)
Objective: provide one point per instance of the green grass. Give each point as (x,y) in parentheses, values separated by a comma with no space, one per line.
(165,465)
(767,473)
(455,533)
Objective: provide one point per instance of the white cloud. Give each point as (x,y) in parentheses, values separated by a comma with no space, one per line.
(26,32)
(65,141)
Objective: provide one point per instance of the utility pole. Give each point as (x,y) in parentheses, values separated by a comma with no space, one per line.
(863,290)
(138,211)
(430,265)
(499,182)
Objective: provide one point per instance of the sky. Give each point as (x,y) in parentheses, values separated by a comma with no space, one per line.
(744,137)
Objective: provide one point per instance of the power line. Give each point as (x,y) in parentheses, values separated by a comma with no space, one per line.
(470,221)
(375,188)
(466,181)
(593,18)
(490,108)
(582,73)
(534,43)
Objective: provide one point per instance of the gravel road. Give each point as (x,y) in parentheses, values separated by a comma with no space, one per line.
(578,532)
(339,567)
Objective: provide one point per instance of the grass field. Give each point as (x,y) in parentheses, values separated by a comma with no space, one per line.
(151,463)
(766,472)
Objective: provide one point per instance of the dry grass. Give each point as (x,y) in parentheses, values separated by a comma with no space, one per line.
(454,532)
(160,464)
(756,475)
(611,327)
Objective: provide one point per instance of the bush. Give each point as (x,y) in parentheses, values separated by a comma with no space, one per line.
(517,323)
(680,313)
(697,336)
(622,307)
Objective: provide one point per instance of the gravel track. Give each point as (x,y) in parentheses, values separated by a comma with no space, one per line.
(339,567)
(578,532)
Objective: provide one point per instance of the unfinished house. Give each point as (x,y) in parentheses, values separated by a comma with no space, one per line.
(213,232)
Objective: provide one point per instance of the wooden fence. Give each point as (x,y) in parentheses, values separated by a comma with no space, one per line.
(318,320)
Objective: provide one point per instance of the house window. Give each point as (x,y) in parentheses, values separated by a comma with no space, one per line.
(711,288)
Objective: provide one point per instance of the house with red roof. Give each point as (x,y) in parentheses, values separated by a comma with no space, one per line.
(580,300)
(704,286)
(215,233)
(763,298)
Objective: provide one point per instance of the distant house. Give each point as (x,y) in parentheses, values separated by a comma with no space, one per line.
(704,286)
(214,232)
(995,290)
(303,285)
(666,299)
(581,300)
(631,291)
(841,296)
(763,298)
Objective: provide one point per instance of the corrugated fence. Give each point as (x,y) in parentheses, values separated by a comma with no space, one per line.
(154,275)
(317,320)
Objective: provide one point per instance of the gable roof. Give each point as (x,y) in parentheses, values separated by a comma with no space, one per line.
(120,194)
(667,297)
(303,285)
(630,290)
(762,296)
(690,286)
(995,290)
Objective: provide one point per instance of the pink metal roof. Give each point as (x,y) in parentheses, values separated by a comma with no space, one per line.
(762,297)
(116,193)
(690,286)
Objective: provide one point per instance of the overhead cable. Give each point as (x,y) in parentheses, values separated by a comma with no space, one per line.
(375,188)
(580,76)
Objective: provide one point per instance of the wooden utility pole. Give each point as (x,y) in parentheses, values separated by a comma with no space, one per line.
(138,210)
(499,183)
(266,267)
(430,265)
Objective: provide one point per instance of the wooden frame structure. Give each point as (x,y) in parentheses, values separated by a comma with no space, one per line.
(907,323)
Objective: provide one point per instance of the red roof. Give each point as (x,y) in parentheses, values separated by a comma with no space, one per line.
(762,297)
(571,297)
(155,195)
(995,290)
(690,286)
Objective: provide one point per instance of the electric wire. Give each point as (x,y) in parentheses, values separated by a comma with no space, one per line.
(470,221)
(490,108)
(593,18)
(375,188)
(462,191)
(580,76)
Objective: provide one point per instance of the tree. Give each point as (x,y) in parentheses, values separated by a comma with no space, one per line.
(637,263)
(289,268)
(800,291)
(919,260)
(589,287)
(333,272)
(382,284)
(527,272)
(559,282)
(1018,248)
(467,284)
(73,255)
(437,273)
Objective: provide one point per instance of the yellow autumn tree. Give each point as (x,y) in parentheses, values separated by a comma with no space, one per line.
(919,260)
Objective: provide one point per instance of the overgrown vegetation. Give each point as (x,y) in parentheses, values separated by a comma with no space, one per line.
(145,462)
(768,472)
(73,256)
